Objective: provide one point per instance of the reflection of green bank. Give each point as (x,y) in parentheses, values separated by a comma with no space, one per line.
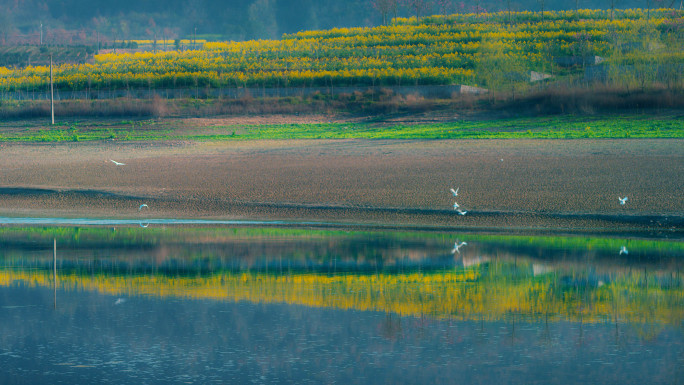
(107,236)
(554,278)
(589,243)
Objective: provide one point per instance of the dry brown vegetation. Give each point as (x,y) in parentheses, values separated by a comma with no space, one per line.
(597,99)
(553,100)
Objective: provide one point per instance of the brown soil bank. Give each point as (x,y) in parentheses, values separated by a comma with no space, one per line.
(556,185)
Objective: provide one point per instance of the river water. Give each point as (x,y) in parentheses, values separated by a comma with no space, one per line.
(203,304)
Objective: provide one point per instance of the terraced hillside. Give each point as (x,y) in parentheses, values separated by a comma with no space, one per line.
(496,51)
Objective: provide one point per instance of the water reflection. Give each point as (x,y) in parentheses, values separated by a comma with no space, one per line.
(278,306)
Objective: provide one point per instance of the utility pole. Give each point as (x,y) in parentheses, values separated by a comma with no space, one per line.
(194,39)
(41,33)
(54,267)
(52,94)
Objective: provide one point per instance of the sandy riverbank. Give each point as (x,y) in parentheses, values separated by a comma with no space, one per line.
(559,185)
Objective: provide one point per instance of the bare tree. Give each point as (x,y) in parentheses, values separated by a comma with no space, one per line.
(151,31)
(612,4)
(419,7)
(382,6)
(386,8)
(542,4)
(508,9)
(169,33)
(444,6)
(478,8)
(124,28)
(394,7)
(6,26)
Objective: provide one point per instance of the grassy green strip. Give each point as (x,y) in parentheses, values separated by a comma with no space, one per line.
(556,127)
(540,128)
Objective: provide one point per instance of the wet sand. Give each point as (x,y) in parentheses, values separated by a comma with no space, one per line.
(555,185)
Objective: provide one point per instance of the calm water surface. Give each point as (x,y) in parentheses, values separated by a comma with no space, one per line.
(207,305)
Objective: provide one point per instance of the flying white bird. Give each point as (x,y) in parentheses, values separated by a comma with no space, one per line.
(117,163)
(623,200)
(461,211)
(456,205)
(457,246)
(455,192)
(143,205)
(144,225)
(119,301)
(624,250)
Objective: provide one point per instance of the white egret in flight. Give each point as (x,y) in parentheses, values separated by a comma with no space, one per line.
(457,246)
(117,163)
(455,192)
(143,205)
(461,212)
(623,200)
(624,250)
(456,205)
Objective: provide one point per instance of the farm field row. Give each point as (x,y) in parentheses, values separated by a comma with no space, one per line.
(495,51)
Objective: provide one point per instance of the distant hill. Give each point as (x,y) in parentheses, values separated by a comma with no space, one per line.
(87,21)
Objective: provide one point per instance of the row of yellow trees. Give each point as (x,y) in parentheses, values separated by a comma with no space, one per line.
(458,49)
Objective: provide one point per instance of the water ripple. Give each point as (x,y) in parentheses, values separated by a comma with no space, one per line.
(158,221)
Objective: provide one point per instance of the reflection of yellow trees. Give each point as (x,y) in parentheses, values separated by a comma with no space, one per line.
(458,294)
